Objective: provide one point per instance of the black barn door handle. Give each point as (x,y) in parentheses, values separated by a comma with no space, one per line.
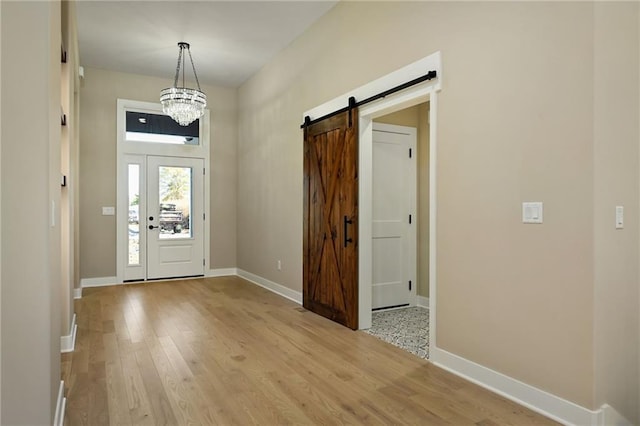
(347,222)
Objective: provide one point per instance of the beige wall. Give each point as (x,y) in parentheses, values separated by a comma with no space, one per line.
(30,182)
(616,178)
(98,95)
(515,123)
(416,116)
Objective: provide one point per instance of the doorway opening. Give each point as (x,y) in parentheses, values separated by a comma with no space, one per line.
(413,95)
(425,99)
(401,254)
(162,195)
(412,183)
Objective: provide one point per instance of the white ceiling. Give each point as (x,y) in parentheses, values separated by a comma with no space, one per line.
(230,40)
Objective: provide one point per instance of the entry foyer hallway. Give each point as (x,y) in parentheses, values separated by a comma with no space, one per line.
(224,351)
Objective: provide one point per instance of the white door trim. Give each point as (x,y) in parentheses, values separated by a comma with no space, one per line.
(411,96)
(124,148)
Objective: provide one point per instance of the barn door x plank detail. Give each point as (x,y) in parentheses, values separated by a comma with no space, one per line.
(330,243)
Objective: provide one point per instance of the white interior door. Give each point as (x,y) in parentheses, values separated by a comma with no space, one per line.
(394,217)
(175,217)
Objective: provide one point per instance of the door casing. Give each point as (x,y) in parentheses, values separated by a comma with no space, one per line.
(125,147)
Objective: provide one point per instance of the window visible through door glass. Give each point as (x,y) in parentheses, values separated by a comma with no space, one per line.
(134,214)
(175,202)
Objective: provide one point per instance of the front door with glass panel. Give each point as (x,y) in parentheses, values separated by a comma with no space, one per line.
(166,217)
(175,244)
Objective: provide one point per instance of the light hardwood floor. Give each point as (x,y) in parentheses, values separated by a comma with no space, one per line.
(224,351)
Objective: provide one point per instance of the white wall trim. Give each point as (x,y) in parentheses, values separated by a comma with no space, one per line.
(432,119)
(423,302)
(276,288)
(77,293)
(410,97)
(540,401)
(610,417)
(221,272)
(61,403)
(98,282)
(68,342)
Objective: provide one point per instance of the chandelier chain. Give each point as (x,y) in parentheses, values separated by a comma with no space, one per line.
(194,69)
(175,80)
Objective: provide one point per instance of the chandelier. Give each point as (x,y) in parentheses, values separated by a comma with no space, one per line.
(182,104)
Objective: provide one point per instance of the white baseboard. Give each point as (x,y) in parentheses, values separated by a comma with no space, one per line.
(222,272)
(279,289)
(98,282)
(540,401)
(61,403)
(423,302)
(108,281)
(610,417)
(68,342)
(77,293)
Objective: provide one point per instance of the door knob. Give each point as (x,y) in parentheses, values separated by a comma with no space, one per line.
(153,227)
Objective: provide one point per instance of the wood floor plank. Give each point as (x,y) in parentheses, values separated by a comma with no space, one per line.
(98,407)
(116,390)
(224,351)
(138,401)
(161,407)
(248,381)
(183,407)
(77,408)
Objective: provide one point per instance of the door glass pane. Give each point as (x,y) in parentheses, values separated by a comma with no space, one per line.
(134,210)
(159,128)
(175,202)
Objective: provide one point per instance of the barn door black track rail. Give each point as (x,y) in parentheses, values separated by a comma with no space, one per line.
(352,101)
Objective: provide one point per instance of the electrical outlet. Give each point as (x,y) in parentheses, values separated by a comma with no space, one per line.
(279,266)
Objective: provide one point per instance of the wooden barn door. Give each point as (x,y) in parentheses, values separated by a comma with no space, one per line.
(330,243)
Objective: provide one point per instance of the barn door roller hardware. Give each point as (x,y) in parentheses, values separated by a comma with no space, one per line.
(352,101)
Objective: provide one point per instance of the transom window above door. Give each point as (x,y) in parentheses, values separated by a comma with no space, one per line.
(160,128)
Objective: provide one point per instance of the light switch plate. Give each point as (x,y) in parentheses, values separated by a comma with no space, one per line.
(108,211)
(619,217)
(532,212)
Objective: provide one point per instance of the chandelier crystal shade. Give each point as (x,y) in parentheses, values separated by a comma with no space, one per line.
(183,104)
